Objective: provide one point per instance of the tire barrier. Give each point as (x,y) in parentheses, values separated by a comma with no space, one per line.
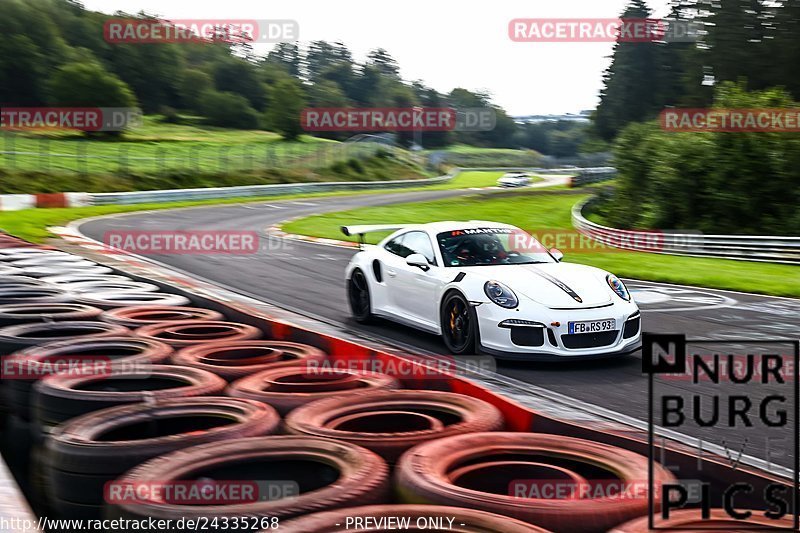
(391,422)
(49,259)
(292,386)
(61,397)
(34,363)
(13,282)
(88,451)
(20,336)
(46,312)
(501,463)
(93,287)
(111,300)
(408,518)
(20,254)
(328,475)
(63,268)
(692,520)
(9,271)
(80,278)
(144,315)
(12,293)
(191,332)
(233,360)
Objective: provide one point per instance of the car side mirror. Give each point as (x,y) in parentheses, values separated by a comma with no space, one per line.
(419,261)
(556,253)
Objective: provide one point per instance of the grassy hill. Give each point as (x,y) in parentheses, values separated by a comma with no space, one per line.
(162,155)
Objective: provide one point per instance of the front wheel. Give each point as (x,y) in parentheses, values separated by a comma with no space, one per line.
(459,324)
(358,296)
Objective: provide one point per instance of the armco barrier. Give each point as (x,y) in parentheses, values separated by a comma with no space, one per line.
(15,202)
(207,193)
(772,249)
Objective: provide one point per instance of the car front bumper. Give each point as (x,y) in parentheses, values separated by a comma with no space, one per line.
(538,333)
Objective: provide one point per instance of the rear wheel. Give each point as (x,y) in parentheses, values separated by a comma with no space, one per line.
(459,324)
(358,296)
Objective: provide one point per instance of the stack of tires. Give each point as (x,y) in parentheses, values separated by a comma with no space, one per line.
(112,384)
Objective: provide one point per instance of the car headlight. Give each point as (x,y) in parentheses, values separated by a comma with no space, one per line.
(500,294)
(618,287)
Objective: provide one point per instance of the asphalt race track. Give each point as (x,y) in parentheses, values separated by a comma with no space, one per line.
(308,278)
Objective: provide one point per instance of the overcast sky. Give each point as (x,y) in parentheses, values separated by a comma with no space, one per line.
(445,43)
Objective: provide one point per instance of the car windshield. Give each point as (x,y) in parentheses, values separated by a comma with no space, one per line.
(491,246)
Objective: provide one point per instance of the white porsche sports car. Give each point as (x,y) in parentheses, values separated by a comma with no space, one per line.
(514,179)
(491,288)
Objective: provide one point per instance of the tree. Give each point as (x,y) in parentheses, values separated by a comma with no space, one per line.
(240,77)
(630,83)
(287,55)
(283,115)
(228,110)
(323,55)
(383,63)
(194,83)
(88,84)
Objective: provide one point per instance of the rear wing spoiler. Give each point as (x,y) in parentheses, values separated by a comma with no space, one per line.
(361,230)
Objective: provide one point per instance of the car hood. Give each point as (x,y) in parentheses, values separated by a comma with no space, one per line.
(554,285)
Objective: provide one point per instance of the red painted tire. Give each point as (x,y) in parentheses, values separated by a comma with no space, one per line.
(46,312)
(463,520)
(290,387)
(233,360)
(391,422)
(37,361)
(424,473)
(144,315)
(329,474)
(687,519)
(192,332)
(61,397)
(90,450)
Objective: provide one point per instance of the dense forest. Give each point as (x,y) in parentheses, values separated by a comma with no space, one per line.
(715,182)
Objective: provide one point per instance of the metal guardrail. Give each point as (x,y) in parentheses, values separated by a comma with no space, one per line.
(585,176)
(771,249)
(209,193)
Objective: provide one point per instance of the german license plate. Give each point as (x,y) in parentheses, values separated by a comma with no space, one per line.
(592,326)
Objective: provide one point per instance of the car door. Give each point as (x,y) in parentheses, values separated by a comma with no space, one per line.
(417,290)
(392,260)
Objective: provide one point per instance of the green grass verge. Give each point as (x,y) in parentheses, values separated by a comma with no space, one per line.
(545,211)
